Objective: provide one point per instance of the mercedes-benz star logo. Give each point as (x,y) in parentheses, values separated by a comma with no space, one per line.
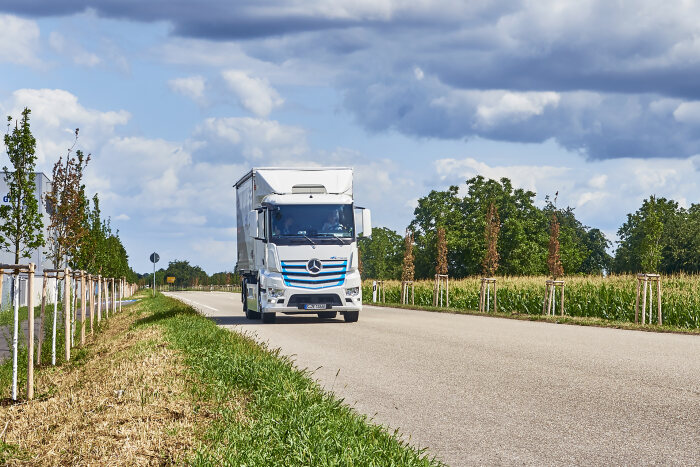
(314,266)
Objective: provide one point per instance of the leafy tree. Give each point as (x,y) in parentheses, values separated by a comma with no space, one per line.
(652,229)
(648,234)
(22,224)
(381,254)
(67,206)
(522,238)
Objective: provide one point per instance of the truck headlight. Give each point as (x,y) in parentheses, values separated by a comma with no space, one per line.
(275,293)
(352,291)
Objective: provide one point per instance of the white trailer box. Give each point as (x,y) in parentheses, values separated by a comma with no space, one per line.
(297,234)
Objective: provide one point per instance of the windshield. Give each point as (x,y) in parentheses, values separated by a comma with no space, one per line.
(312,220)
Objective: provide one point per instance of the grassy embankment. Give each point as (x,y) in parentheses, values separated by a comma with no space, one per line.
(594,301)
(162,384)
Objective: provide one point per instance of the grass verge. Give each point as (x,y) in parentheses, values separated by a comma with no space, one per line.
(160,385)
(572,320)
(270,413)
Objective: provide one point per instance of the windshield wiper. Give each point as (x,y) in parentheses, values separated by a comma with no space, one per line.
(340,239)
(298,236)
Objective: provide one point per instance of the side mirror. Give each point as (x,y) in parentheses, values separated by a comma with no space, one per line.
(366,223)
(363,222)
(253,224)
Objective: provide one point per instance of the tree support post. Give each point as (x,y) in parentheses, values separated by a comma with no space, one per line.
(66,309)
(30,331)
(83,296)
(99,298)
(42,318)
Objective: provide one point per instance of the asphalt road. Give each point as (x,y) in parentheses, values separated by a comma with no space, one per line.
(481,390)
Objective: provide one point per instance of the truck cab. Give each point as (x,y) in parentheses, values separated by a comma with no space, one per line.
(302,248)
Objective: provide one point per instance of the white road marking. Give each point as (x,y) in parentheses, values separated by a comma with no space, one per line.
(192,302)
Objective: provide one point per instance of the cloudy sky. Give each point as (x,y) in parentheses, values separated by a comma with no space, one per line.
(176,99)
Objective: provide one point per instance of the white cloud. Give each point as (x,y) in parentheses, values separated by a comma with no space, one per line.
(192,87)
(529,177)
(598,181)
(122,217)
(19,41)
(688,112)
(256,139)
(72,49)
(255,94)
(55,116)
(515,106)
(418,73)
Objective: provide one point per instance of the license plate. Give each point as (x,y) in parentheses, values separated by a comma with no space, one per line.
(315,306)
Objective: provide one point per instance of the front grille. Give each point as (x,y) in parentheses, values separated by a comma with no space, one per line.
(332,274)
(299,300)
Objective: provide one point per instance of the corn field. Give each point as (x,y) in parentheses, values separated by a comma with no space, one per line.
(610,297)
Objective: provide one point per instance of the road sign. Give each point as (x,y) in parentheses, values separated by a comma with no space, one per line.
(154,259)
(170,280)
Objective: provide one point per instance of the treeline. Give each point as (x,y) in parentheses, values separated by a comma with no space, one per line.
(659,237)
(187,275)
(78,235)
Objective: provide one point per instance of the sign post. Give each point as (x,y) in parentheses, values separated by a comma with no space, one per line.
(154,259)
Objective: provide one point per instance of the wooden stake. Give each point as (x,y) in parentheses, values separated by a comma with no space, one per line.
(83,296)
(495,297)
(66,309)
(99,299)
(30,339)
(91,300)
(42,318)
(658,297)
(636,304)
(562,300)
(644,302)
(55,322)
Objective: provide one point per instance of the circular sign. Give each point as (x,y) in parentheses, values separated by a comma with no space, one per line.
(154,257)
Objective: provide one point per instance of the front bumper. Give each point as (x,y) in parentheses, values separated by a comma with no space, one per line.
(293,299)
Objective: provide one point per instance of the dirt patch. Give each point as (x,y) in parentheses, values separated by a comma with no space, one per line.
(124,403)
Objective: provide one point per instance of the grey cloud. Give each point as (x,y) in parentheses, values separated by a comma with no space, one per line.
(608,62)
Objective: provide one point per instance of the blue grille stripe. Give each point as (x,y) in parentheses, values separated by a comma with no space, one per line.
(294,274)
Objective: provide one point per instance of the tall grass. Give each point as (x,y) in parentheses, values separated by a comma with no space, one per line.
(610,297)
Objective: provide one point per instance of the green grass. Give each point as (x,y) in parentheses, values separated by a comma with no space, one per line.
(7,315)
(289,420)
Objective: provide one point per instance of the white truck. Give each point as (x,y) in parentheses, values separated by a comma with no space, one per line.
(297,231)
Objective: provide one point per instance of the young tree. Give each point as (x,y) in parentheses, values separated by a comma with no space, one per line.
(493,226)
(409,270)
(67,206)
(22,226)
(650,246)
(554,260)
(441,267)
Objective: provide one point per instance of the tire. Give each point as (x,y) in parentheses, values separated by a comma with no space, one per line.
(269,317)
(327,314)
(250,314)
(351,316)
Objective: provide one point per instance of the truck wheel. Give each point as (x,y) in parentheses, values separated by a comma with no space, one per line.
(351,316)
(269,317)
(327,314)
(250,314)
